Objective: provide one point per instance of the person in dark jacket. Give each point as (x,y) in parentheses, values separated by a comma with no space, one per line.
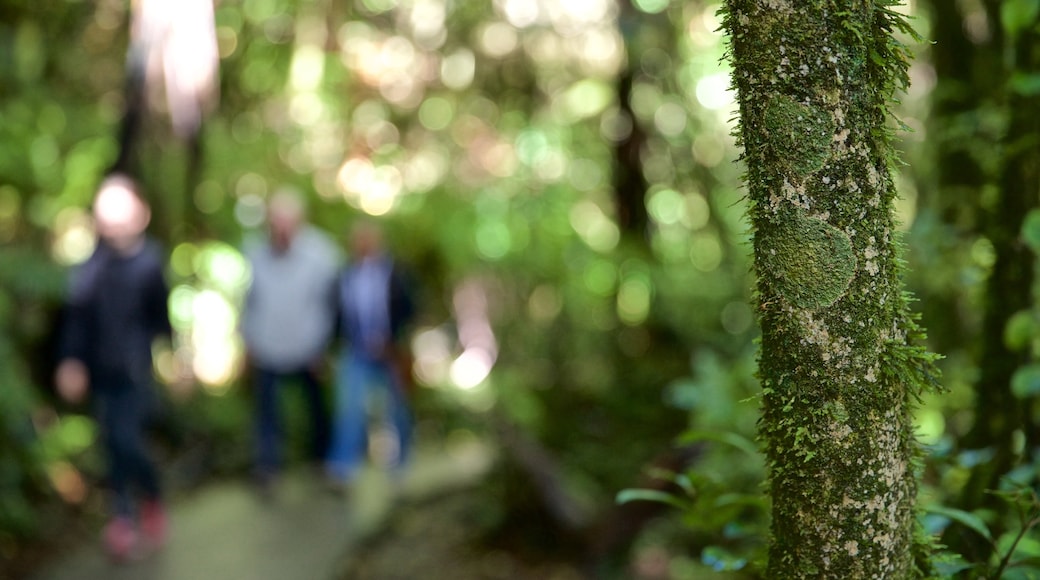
(375,306)
(116,308)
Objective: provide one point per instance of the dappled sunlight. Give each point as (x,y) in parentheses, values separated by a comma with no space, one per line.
(477,338)
(213,339)
(471,368)
(204,312)
(594,226)
(372,189)
(432,349)
(74,237)
(68,482)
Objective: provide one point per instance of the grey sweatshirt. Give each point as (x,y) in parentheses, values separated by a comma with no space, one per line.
(290,310)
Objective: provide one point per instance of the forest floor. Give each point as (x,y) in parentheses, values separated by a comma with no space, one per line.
(303,531)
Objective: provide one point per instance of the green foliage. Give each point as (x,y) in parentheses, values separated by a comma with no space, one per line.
(1016,552)
(717,500)
(1025,383)
(1025,84)
(26,285)
(1016,16)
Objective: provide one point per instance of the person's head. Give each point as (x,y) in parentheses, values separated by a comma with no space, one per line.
(285,215)
(120,213)
(366,239)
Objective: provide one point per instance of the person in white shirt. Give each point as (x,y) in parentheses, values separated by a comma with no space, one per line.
(287,323)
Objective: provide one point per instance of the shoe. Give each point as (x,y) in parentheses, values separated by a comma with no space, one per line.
(154,523)
(120,538)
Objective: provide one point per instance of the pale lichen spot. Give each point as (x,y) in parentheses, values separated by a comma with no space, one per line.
(852,548)
(781,6)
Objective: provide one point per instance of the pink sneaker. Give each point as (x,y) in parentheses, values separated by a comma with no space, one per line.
(154,523)
(120,538)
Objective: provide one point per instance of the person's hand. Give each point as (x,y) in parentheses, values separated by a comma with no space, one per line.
(72,380)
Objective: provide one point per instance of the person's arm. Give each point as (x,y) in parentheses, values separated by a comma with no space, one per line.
(157,300)
(402,302)
(71,378)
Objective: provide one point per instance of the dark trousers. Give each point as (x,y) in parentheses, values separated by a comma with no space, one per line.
(123,412)
(268,418)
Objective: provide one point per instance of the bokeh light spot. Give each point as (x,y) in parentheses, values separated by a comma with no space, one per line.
(597,230)
(458,68)
(436,113)
(736,317)
(633,300)
(697,211)
(545,303)
(651,6)
(706,252)
(493,239)
(600,276)
(670,119)
(666,206)
(713,91)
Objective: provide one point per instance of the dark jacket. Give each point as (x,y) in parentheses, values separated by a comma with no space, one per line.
(396,292)
(117,306)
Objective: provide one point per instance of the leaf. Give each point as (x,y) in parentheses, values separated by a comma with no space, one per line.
(1025,547)
(628,495)
(1027,85)
(1025,382)
(1019,330)
(1018,15)
(948,565)
(758,500)
(967,519)
(732,439)
(1031,230)
(721,560)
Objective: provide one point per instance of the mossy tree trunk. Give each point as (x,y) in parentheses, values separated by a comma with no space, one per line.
(839,376)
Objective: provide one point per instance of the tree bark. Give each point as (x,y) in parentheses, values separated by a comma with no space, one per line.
(837,369)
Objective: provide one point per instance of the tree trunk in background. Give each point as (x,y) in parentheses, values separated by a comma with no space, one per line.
(968,77)
(837,371)
(999,414)
(629,182)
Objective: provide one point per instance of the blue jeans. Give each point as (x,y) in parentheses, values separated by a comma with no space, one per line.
(357,379)
(268,423)
(123,410)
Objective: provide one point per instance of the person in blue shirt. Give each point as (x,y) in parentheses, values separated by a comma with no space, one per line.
(116,308)
(375,308)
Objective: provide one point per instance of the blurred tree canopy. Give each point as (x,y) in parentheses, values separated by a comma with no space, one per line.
(560,177)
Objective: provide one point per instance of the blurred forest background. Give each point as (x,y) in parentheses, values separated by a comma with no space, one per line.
(562,179)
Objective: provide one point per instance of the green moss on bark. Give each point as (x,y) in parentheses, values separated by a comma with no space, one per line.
(811,261)
(793,126)
(839,373)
